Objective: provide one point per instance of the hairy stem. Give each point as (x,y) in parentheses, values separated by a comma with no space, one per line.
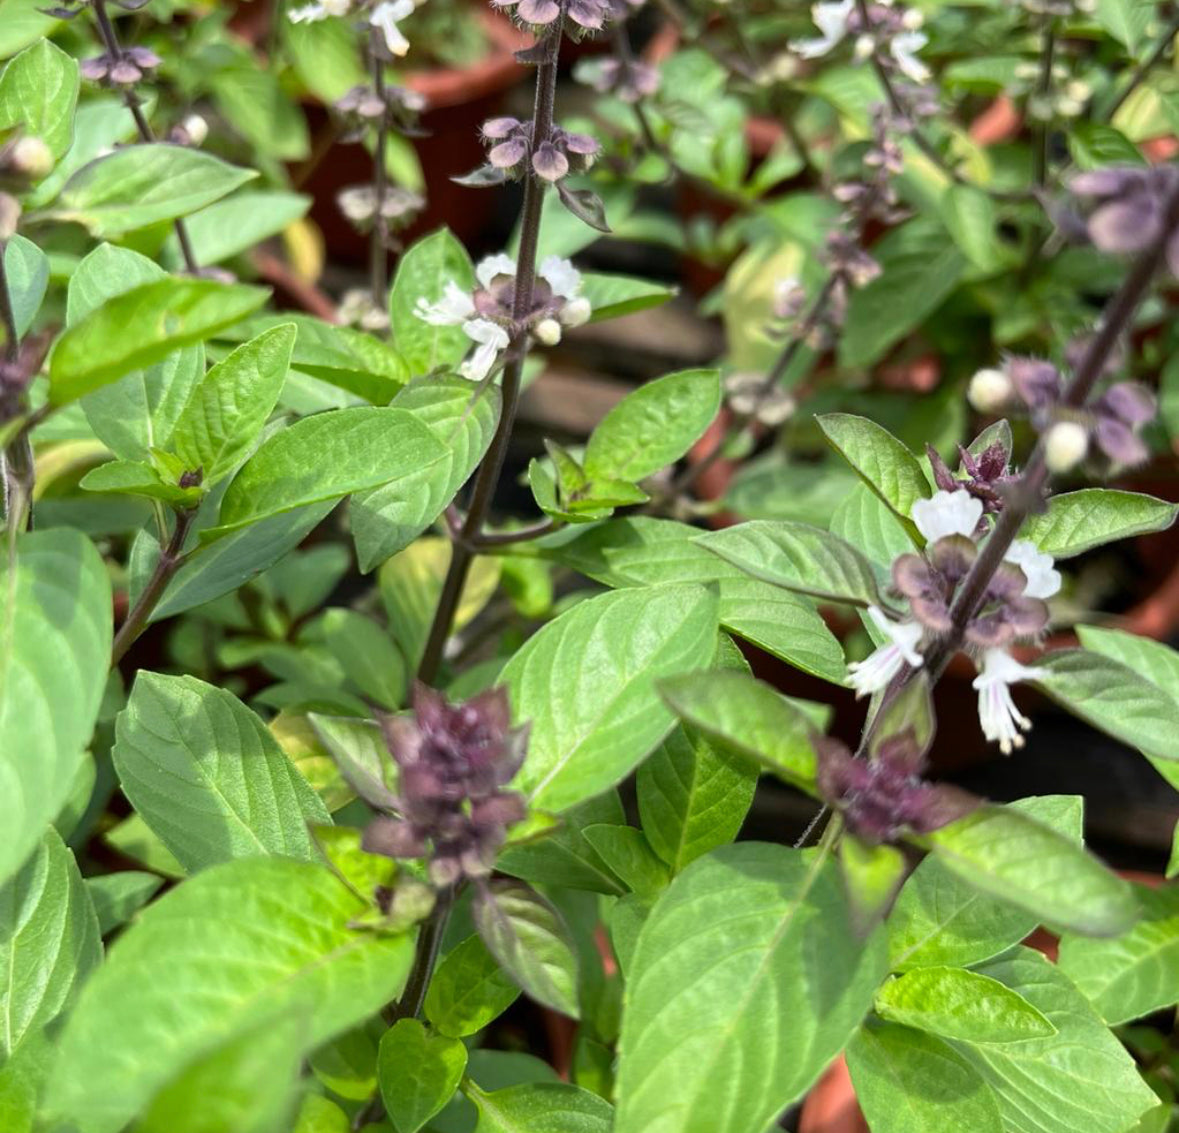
(489,471)
(110,40)
(170,560)
(1043,89)
(378,249)
(1028,493)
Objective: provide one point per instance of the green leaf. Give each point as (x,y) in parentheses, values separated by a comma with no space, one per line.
(1113,697)
(117,897)
(628,853)
(144,184)
(55,643)
(468,990)
(798,557)
(1131,975)
(693,797)
(323,458)
(779,982)
(970,215)
(367,655)
(137,413)
(386,520)
(907,1081)
(1080,1078)
(1076,522)
(531,942)
(142,326)
(542,1106)
(235,225)
(27,270)
(920,267)
(212,570)
(137,478)
(226,412)
(246,1085)
(419,1073)
(642,551)
(613,296)
(653,426)
(871,527)
(1151,659)
(1008,855)
(38,93)
(747,718)
(586,682)
(423,273)
(564,857)
(238,946)
(255,103)
(872,876)
(958,1004)
(348,1064)
(1127,21)
(1094,144)
(49,941)
(208,776)
(885,465)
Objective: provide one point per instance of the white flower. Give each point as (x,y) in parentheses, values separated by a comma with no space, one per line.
(1065,446)
(990,391)
(904,47)
(384,18)
(831,19)
(455,307)
(310,13)
(491,339)
(878,669)
(947,513)
(576,312)
(548,332)
(1043,580)
(1000,720)
(561,276)
(487,269)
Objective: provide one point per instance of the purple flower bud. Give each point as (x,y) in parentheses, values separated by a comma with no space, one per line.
(497,128)
(1036,382)
(509,154)
(1127,224)
(549,162)
(579,143)
(539,12)
(1120,443)
(589,14)
(1130,402)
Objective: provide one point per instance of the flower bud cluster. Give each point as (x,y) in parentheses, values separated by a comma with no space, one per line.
(885,797)
(122,69)
(453,762)
(23,160)
(627,79)
(585,15)
(1064,97)
(398,207)
(1110,426)
(512,150)
(363,109)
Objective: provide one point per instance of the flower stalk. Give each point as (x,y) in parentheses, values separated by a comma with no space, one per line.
(379,237)
(110,39)
(487,477)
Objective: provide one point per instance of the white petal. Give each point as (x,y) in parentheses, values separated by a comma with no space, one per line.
(487,269)
(453,308)
(561,276)
(947,513)
(385,16)
(903,48)
(906,636)
(1037,567)
(309,13)
(831,19)
(999,667)
(1001,721)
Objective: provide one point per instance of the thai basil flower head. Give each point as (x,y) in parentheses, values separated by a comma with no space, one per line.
(398,206)
(124,69)
(561,153)
(1013,606)
(453,762)
(890,32)
(885,797)
(384,16)
(362,108)
(985,476)
(1126,208)
(588,15)
(626,79)
(486,314)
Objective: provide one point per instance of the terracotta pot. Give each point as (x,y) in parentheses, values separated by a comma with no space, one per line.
(831,1107)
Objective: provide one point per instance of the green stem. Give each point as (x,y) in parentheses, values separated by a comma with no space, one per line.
(489,471)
